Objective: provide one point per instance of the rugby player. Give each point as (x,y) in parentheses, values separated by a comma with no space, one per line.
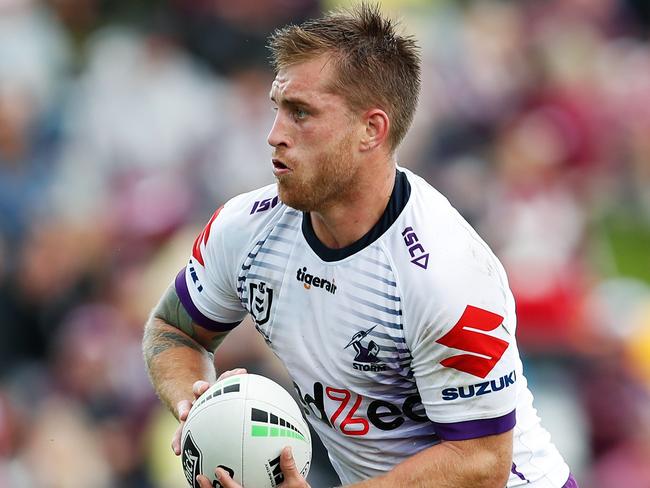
(392,316)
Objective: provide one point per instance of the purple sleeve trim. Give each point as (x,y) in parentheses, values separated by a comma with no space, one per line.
(471,429)
(571,482)
(185,298)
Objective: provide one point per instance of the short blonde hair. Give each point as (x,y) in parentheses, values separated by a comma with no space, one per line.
(374,65)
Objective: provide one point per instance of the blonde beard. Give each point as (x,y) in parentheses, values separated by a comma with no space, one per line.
(333,178)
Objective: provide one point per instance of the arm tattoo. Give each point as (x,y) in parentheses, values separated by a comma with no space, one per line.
(168,339)
(171,310)
(216,340)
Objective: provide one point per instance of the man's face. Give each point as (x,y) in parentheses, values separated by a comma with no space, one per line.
(315,138)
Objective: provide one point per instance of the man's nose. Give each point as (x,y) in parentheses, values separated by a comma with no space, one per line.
(278,136)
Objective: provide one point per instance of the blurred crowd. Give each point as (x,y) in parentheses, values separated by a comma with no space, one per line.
(123,125)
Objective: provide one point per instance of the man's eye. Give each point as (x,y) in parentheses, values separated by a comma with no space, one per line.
(300,113)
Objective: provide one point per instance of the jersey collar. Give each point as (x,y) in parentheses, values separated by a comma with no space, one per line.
(398,200)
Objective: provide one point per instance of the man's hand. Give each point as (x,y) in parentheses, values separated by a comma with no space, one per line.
(183,407)
(292,477)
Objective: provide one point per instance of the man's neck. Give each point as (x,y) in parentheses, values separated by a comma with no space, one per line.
(346,221)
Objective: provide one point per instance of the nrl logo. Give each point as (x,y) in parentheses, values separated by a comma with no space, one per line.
(260,299)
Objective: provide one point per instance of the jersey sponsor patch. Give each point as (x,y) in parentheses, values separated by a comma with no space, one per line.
(479,389)
(344,412)
(419,256)
(308,280)
(203,237)
(468,335)
(263,205)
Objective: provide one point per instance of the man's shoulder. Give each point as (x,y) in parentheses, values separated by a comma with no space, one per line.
(252,208)
(246,216)
(425,198)
(438,241)
(431,216)
(443,264)
(254,201)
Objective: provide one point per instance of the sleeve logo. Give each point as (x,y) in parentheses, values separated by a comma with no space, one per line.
(260,299)
(202,238)
(263,205)
(468,335)
(416,251)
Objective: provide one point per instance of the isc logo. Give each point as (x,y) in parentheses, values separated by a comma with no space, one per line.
(417,252)
(262,205)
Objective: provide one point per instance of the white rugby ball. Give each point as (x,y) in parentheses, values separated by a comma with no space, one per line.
(241,424)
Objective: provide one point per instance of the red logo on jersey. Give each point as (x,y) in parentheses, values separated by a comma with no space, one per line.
(487,350)
(203,238)
(358,420)
(349,425)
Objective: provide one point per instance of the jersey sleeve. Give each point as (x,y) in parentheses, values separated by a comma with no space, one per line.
(207,286)
(461,337)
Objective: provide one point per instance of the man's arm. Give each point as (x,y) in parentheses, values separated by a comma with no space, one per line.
(484,462)
(177,352)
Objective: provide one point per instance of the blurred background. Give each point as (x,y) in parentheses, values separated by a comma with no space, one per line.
(123,125)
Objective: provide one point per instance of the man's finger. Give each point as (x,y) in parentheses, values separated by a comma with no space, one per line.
(288,465)
(199,388)
(204,482)
(225,479)
(176,440)
(232,372)
(182,410)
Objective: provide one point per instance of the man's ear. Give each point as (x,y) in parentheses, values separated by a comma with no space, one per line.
(377,125)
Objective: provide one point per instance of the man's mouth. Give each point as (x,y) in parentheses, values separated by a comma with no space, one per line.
(279,168)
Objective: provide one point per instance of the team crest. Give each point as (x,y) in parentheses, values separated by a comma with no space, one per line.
(365,358)
(260,299)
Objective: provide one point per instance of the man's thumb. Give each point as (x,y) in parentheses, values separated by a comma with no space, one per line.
(288,464)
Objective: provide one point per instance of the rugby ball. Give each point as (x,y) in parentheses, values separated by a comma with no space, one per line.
(241,424)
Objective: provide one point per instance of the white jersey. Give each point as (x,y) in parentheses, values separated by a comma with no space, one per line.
(401,340)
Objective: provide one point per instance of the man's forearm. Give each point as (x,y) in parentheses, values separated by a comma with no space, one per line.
(486,464)
(174,362)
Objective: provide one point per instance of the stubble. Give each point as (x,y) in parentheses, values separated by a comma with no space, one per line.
(332,179)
